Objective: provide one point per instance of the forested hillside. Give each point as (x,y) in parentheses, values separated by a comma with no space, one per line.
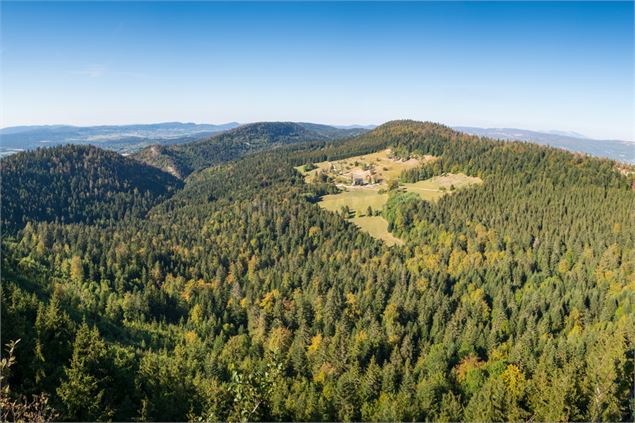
(182,160)
(239,298)
(78,184)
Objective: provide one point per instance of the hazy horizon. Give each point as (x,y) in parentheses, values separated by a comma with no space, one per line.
(551,131)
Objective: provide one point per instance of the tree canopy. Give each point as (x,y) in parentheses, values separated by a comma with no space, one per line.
(239,298)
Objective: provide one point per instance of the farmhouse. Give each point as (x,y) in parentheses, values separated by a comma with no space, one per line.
(357,180)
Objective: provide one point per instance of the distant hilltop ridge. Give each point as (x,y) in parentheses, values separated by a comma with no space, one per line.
(527,134)
(120,138)
(623,151)
(118,128)
(181,160)
(128,139)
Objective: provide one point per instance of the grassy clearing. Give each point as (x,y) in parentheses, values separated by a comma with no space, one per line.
(427,194)
(377,227)
(356,199)
(373,169)
(434,188)
(361,179)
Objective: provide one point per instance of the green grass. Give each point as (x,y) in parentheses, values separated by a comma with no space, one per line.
(377,227)
(429,194)
(357,199)
(383,169)
(380,165)
(434,188)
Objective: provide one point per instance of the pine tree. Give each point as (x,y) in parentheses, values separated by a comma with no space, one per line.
(83,391)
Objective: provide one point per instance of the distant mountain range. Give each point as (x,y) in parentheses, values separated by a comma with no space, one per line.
(623,151)
(120,138)
(127,139)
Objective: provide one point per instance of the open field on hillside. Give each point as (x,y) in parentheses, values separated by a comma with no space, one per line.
(357,199)
(372,169)
(364,182)
(377,227)
(436,187)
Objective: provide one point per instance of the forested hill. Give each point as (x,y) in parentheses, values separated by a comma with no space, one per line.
(239,298)
(78,184)
(181,160)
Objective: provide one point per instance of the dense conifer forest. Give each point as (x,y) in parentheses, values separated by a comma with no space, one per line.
(181,160)
(231,295)
(78,184)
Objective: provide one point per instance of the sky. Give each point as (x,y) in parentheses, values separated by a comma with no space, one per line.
(540,65)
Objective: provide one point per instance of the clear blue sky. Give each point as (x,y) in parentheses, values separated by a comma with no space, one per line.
(564,66)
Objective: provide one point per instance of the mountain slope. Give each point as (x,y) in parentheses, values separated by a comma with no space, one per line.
(333,132)
(78,184)
(182,160)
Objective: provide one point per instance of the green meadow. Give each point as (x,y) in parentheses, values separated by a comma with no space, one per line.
(436,187)
(379,167)
(377,227)
(356,199)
